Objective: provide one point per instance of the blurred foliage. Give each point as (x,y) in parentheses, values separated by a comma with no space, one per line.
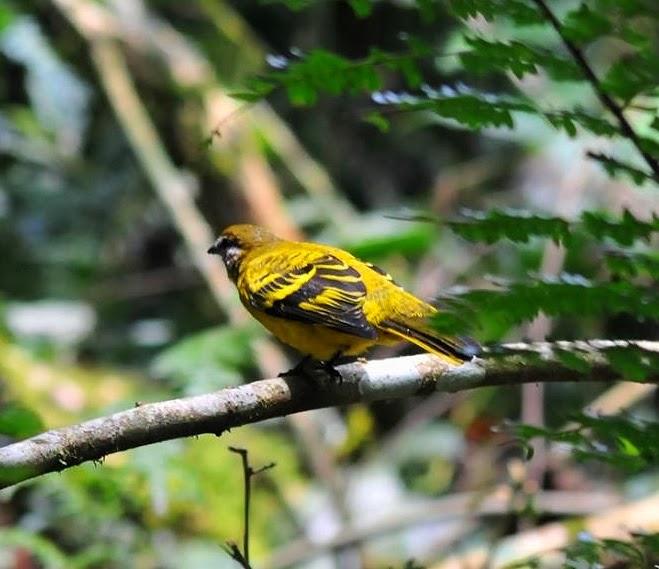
(618,440)
(475,113)
(306,76)
(587,551)
(208,360)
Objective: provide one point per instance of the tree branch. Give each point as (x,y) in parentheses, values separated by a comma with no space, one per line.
(605,99)
(376,380)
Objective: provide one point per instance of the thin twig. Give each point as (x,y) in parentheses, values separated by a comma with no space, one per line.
(606,99)
(234,552)
(248,473)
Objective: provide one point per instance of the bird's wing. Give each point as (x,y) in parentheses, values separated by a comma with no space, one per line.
(323,290)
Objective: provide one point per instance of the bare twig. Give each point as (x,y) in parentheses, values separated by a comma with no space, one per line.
(248,473)
(604,98)
(234,552)
(363,382)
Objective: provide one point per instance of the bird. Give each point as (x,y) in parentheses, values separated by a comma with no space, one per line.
(326,303)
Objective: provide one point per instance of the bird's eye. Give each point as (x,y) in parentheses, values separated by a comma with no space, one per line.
(223,243)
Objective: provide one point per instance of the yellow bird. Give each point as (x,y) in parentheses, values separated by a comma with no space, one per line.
(326,303)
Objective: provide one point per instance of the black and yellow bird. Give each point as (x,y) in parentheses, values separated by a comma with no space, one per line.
(325,302)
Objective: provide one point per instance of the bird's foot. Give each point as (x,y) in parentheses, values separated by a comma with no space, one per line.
(328,367)
(301,368)
(308,366)
(333,373)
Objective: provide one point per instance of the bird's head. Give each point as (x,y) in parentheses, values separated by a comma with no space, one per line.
(236,241)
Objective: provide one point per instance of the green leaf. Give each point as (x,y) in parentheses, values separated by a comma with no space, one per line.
(519,226)
(247,96)
(628,264)
(632,362)
(411,72)
(301,94)
(208,360)
(516,225)
(7,15)
(649,145)
(623,230)
(487,57)
(362,8)
(41,549)
(627,551)
(583,25)
(568,295)
(596,125)
(295,5)
(19,421)
(631,76)
(522,13)
(614,167)
(471,110)
(517,57)
(573,360)
(623,442)
(428,10)
(649,541)
(321,71)
(563,121)
(379,121)
(256,90)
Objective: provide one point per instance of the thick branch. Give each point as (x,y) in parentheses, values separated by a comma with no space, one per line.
(371,381)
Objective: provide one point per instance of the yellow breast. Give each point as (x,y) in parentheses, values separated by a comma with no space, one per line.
(318,341)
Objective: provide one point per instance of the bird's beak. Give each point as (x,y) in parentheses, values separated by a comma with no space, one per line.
(213,249)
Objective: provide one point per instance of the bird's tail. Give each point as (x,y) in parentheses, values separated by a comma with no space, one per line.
(454,350)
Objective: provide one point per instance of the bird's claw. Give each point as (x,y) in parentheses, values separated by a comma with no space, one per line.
(333,373)
(305,368)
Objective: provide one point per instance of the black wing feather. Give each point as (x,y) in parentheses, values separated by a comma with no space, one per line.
(330,293)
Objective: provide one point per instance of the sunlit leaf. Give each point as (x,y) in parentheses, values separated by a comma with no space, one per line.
(520,58)
(362,8)
(379,121)
(522,13)
(616,440)
(631,76)
(519,226)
